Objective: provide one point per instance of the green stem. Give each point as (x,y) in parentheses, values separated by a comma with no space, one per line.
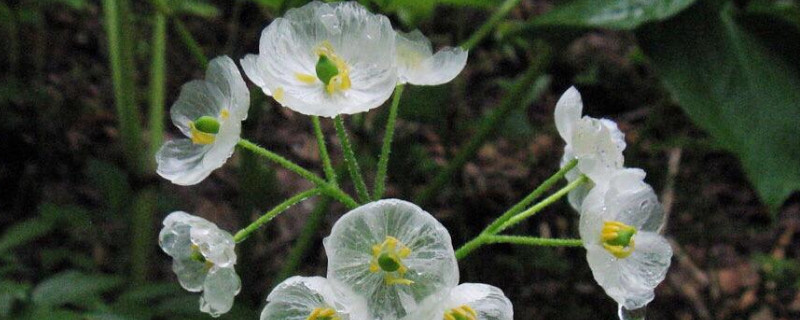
(267,217)
(487,26)
(534,241)
(543,204)
(488,126)
(190,42)
(327,189)
(142,233)
(323,151)
(157,83)
(350,161)
(383,162)
(517,208)
(304,241)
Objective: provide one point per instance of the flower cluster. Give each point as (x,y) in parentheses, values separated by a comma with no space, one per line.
(203,258)
(388,259)
(620,213)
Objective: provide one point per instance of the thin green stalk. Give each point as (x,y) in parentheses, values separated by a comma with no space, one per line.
(517,208)
(327,189)
(323,151)
(304,241)
(190,42)
(383,161)
(487,26)
(157,83)
(142,234)
(543,204)
(534,241)
(121,61)
(350,161)
(489,125)
(267,217)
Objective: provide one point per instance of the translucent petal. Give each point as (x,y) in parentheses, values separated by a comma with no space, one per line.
(219,289)
(191,274)
(252,67)
(224,73)
(198,98)
(224,144)
(633,202)
(568,111)
(295,298)
(431,263)
(598,152)
(636,314)
(417,64)
(363,40)
(216,245)
(645,268)
(174,237)
(181,162)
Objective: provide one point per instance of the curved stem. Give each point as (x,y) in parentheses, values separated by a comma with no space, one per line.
(487,26)
(327,189)
(383,161)
(350,160)
(517,208)
(244,233)
(534,241)
(543,204)
(323,151)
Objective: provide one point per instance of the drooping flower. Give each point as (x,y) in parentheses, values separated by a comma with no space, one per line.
(619,227)
(326,59)
(209,113)
(596,143)
(311,298)
(467,301)
(393,254)
(203,259)
(417,64)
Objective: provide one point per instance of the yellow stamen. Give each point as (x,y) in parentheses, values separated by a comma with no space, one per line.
(200,137)
(617,238)
(388,257)
(224,114)
(323,314)
(305,78)
(278,94)
(341,81)
(464,312)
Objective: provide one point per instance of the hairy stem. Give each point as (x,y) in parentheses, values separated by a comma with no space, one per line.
(383,161)
(351,162)
(267,217)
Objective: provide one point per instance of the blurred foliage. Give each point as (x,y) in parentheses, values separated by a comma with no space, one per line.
(621,14)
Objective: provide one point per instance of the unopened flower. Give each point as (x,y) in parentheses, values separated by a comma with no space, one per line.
(326,59)
(209,113)
(597,144)
(468,301)
(393,254)
(417,64)
(203,259)
(311,298)
(619,226)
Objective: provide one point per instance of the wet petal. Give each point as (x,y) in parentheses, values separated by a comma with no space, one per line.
(219,289)
(417,64)
(181,162)
(297,297)
(224,73)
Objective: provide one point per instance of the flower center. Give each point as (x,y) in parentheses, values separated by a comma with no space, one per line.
(196,255)
(463,312)
(323,314)
(204,129)
(331,69)
(617,238)
(388,257)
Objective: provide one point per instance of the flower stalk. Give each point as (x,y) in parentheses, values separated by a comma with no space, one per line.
(243,234)
(351,162)
(383,161)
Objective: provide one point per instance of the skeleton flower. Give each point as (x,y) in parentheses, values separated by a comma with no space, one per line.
(619,226)
(203,259)
(393,254)
(326,59)
(311,298)
(210,113)
(596,143)
(417,64)
(468,301)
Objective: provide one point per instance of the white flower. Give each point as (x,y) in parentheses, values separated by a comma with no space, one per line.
(619,226)
(596,143)
(311,298)
(468,301)
(393,254)
(210,113)
(417,64)
(203,258)
(326,59)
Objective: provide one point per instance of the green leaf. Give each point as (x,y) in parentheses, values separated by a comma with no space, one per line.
(112,182)
(786,10)
(72,287)
(11,291)
(621,14)
(24,232)
(732,86)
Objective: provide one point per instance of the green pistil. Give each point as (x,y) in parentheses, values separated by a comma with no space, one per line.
(326,69)
(623,238)
(388,263)
(207,124)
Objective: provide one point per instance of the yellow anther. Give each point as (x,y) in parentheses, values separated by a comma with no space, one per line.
(463,312)
(391,280)
(305,78)
(200,137)
(617,238)
(224,114)
(323,314)
(278,94)
(388,257)
(341,81)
